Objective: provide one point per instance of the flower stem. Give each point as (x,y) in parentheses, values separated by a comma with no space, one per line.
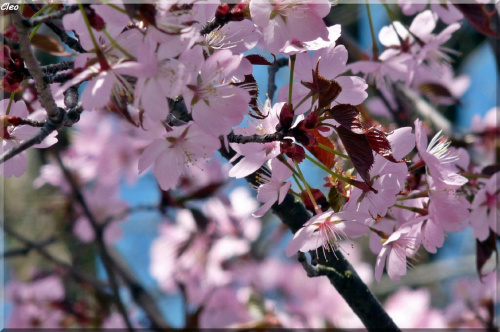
(424,193)
(89,28)
(35,29)
(10,103)
(115,44)
(324,147)
(290,84)
(308,189)
(423,212)
(372,30)
(329,171)
(298,182)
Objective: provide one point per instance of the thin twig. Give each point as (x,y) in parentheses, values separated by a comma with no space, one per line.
(98,285)
(311,271)
(57,67)
(32,123)
(28,248)
(46,130)
(69,118)
(140,295)
(101,246)
(31,22)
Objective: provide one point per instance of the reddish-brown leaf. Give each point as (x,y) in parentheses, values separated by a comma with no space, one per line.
(347,116)
(380,144)
(327,158)
(292,150)
(256,59)
(359,150)
(318,196)
(49,45)
(478,17)
(435,89)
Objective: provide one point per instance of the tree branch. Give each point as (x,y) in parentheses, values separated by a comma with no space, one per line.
(139,293)
(69,118)
(242,139)
(46,130)
(31,22)
(65,38)
(35,70)
(98,285)
(338,270)
(271,79)
(101,246)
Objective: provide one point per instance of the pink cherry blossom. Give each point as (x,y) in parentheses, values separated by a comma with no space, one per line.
(216,106)
(400,245)
(32,303)
(275,188)
(238,37)
(326,230)
(331,64)
(183,147)
(412,309)
(485,209)
(437,158)
(256,154)
(285,20)
(388,177)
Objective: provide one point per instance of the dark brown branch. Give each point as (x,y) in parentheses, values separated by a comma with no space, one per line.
(335,267)
(57,67)
(338,270)
(101,246)
(31,22)
(241,139)
(271,79)
(32,123)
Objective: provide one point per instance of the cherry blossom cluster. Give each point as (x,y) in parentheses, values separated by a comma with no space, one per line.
(179,81)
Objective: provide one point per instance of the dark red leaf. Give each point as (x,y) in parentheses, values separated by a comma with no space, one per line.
(319,197)
(380,144)
(256,59)
(484,250)
(286,118)
(478,17)
(11,81)
(327,158)
(292,150)
(491,169)
(359,150)
(347,116)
